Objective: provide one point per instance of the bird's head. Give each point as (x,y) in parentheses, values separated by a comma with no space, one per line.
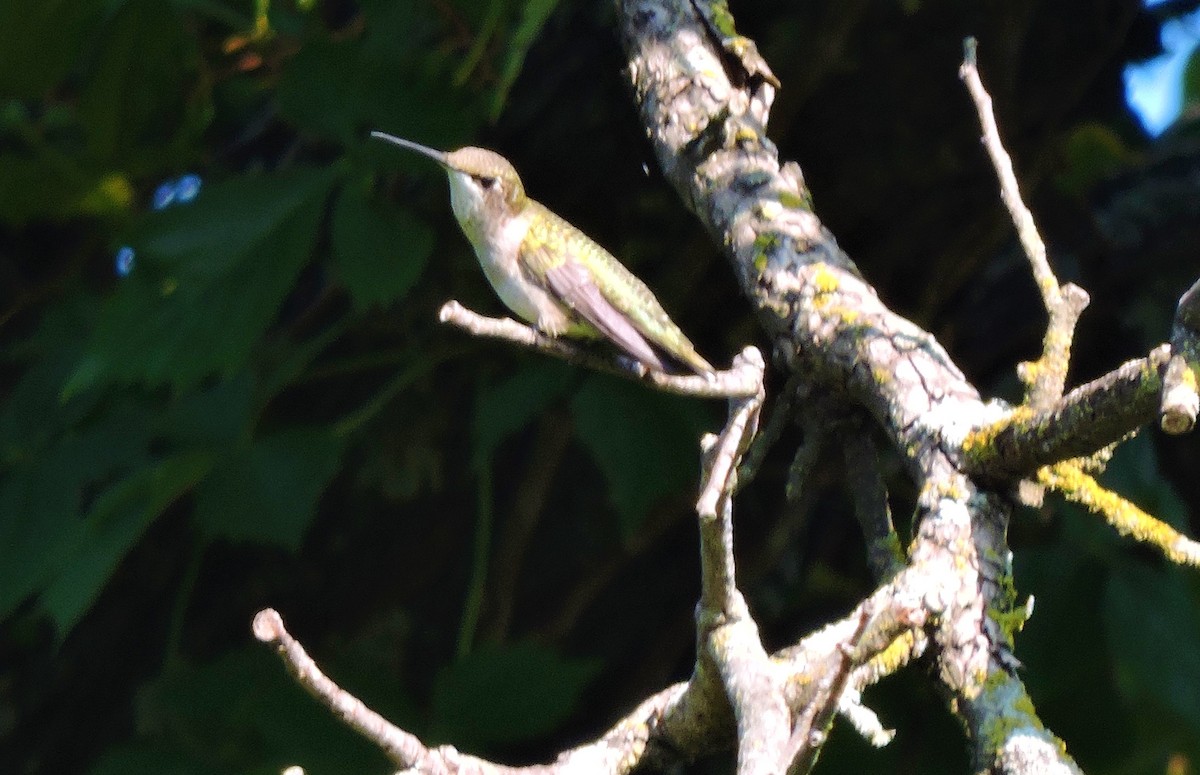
(484,186)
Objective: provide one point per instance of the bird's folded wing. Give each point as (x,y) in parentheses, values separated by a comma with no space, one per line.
(572,284)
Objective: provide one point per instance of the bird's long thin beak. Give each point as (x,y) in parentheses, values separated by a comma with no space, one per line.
(424,150)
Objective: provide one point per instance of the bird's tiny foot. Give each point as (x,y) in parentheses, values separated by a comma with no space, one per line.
(632,364)
(548,328)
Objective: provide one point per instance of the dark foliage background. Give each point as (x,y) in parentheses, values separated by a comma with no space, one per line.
(493,549)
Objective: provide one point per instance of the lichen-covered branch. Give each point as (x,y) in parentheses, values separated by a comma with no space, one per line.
(1089,418)
(705,111)
(780,705)
(705,96)
(1076,485)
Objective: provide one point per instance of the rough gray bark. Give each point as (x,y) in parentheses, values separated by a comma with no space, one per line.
(705,97)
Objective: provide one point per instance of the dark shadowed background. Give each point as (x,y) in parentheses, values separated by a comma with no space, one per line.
(238,396)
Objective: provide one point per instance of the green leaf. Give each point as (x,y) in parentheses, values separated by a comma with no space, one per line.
(267,491)
(209,281)
(534,14)
(45,183)
(1191,83)
(243,713)
(33,414)
(340,89)
(121,514)
(319,90)
(42,499)
(507,693)
(135,93)
(1067,662)
(41,40)
(503,409)
(646,443)
(1091,153)
(146,758)
(379,252)
(217,415)
(1151,622)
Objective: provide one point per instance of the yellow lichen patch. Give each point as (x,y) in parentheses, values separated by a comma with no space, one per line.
(894,656)
(824,279)
(794,201)
(1018,712)
(1008,616)
(1029,371)
(849,315)
(978,441)
(824,283)
(1077,486)
(746,134)
(763,245)
(722,19)
(1189,376)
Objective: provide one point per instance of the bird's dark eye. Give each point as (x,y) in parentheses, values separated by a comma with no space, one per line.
(487,183)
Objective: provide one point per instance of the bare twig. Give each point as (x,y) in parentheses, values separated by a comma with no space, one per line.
(399,746)
(741,428)
(617,752)
(723,384)
(1046,378)
(777,419)
(1010,193)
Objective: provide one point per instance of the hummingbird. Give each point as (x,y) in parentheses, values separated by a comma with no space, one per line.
(550,273)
